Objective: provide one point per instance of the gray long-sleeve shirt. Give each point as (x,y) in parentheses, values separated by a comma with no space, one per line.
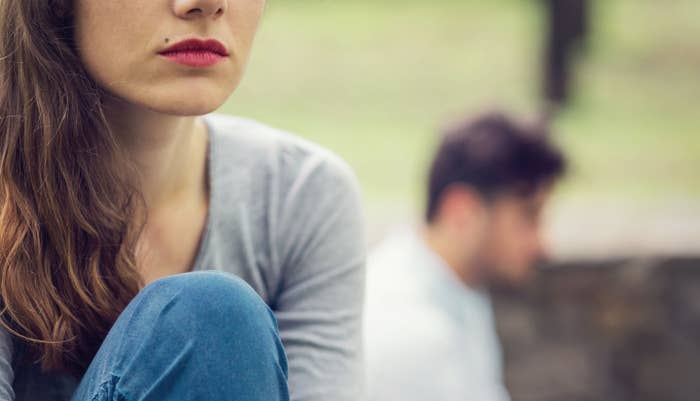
(285,215)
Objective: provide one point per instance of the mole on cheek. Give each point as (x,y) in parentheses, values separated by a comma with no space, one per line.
(167,40)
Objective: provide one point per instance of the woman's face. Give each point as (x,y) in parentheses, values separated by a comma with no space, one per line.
(120,43)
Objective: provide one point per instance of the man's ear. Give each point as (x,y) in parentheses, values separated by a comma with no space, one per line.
(461,205)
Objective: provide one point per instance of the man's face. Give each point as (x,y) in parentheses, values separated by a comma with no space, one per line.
(512,239)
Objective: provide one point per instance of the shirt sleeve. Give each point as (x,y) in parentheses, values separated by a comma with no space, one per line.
(319,306)
(6,371)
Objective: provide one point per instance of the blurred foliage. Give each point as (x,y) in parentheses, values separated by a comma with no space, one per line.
(374,81)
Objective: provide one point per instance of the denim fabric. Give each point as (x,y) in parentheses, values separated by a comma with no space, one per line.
(190,337)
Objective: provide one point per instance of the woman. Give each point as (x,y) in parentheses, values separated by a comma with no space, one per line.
(144,241)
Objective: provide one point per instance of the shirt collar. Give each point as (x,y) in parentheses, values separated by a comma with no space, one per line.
(442,279)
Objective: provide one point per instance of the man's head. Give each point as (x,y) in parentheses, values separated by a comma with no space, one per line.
(488,184)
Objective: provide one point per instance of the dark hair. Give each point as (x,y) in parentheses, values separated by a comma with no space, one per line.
(68,197)
(494,155)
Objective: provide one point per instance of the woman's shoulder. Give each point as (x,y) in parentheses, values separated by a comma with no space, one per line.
(248,145)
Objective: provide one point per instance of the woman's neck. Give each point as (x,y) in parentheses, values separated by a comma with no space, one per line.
(169,151)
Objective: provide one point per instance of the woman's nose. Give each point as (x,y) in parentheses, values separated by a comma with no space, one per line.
(189,9)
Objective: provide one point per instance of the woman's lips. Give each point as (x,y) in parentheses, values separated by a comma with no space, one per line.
(194,58)
(196,52)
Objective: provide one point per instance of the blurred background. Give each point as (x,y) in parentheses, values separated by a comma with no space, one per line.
(616,315)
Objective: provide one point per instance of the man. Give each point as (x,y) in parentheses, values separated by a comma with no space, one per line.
(429,326)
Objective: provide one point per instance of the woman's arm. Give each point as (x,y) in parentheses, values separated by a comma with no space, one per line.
(321,246)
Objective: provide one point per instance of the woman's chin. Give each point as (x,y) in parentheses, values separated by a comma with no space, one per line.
(192,106)
(190,109)
(191,100)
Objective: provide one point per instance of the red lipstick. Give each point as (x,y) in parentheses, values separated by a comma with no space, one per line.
(196,52)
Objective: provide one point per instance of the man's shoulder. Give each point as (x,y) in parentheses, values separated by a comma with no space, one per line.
(394,269)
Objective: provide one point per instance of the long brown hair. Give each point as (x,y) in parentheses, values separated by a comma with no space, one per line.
(67,209)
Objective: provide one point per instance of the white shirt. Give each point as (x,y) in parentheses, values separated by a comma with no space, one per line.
(428,336)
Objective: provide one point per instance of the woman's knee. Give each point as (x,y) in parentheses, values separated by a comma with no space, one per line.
(207,295)
(205,311)
(189,332)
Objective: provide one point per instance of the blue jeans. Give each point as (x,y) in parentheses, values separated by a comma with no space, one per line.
(195,336)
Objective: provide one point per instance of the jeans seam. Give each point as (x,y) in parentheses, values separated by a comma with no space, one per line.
(105,386)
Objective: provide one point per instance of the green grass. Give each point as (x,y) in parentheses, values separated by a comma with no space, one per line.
(374,80)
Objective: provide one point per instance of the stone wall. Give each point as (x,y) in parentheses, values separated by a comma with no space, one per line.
(622,330)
